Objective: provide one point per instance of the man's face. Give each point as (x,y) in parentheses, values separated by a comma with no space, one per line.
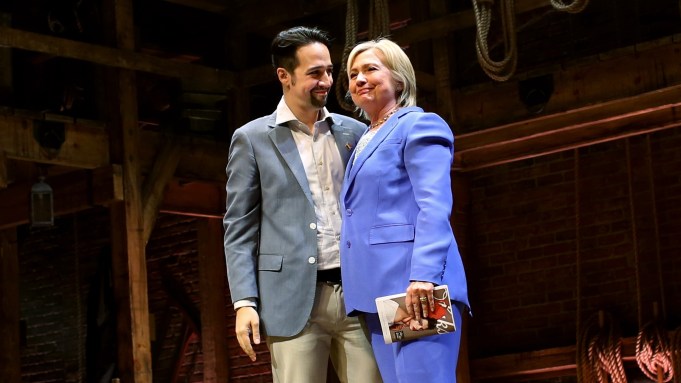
(311,80)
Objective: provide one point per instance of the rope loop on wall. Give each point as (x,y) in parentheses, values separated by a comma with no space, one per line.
(599,351)
(503,69)
(379,19)
(575,6)
(653,353)
(675,349)
(351,26)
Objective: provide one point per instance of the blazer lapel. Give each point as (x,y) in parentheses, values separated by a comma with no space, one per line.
(380,136)
(344,140)
(283,140)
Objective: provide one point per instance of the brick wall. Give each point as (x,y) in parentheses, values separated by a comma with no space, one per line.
(57,267)
(560,237)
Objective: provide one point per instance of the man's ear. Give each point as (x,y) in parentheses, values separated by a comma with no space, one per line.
(283,76)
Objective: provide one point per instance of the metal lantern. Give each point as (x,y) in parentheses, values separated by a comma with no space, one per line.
(42,207)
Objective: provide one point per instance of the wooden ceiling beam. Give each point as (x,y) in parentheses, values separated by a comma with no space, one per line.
(72,192)
(441,26)
(197,76)
(87,147)
(535,365)
(84,189)
(608,121)
(4,173)
(162,171)
(284,13)
(581,111)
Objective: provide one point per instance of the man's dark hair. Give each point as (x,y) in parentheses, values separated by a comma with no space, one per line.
(287,42)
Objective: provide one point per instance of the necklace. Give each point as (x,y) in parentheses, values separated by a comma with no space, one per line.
(382,120)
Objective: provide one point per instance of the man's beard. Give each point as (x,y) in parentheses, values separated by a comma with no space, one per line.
(317,102)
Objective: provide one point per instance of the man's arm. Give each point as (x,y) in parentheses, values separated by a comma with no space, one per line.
(241,224)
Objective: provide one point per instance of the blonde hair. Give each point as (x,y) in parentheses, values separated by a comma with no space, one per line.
(397,62)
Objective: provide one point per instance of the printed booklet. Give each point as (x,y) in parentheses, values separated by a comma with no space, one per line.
(397,325)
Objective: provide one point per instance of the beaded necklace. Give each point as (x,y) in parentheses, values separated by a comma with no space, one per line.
(382,120)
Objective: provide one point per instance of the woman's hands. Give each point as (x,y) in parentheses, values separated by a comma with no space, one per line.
(419,299)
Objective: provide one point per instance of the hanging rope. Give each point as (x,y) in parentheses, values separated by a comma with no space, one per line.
(675,348)
(497,70)
(599,349)
(578,266)
(379,26)
(653,353)
(379,19)
(575,6)
(351,22)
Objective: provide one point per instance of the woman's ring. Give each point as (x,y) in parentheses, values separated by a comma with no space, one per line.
(423,299)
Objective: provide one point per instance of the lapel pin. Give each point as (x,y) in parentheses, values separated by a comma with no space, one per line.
(348,146)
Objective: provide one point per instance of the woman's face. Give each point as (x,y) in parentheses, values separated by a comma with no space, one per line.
(372,86)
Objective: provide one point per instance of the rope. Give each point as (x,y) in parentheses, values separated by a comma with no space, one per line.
(651,185)
(602,356)
(653,353)
(575,7)
(496,70)
(634,231)
(675,348)
(351,22)
(578,266)
(379,19)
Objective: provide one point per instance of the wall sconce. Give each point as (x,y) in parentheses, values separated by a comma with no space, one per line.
(42,207)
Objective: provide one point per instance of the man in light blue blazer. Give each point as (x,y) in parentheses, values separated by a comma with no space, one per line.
(282,224)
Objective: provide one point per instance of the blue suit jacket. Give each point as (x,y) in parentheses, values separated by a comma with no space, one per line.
(270,223)
(396,200)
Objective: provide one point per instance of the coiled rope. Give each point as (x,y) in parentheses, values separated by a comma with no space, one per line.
(351,22)
(599,351)
(505,68)
(675,348)
(575,6)
(379,26)
(653,354)
(379,19)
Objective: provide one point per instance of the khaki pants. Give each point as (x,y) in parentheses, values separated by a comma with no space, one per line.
(328,333)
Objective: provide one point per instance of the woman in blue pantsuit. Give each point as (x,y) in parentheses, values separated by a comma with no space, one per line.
(396,203)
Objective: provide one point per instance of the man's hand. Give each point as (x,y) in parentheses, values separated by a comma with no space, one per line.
(247,323)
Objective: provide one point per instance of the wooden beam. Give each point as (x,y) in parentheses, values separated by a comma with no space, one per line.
(85,144)
(197,199)
(10,350)
(4,174)
(127,228)
(212,286)
(590,125)
(283,13)
(81,190)
(72,192)
(87,147)
(196,76)
(443,25)
(535,365)
(6,83)
(161,173)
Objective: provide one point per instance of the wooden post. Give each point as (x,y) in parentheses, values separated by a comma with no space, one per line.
(127,229)
(212,285)
(10,362)
(6,65)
